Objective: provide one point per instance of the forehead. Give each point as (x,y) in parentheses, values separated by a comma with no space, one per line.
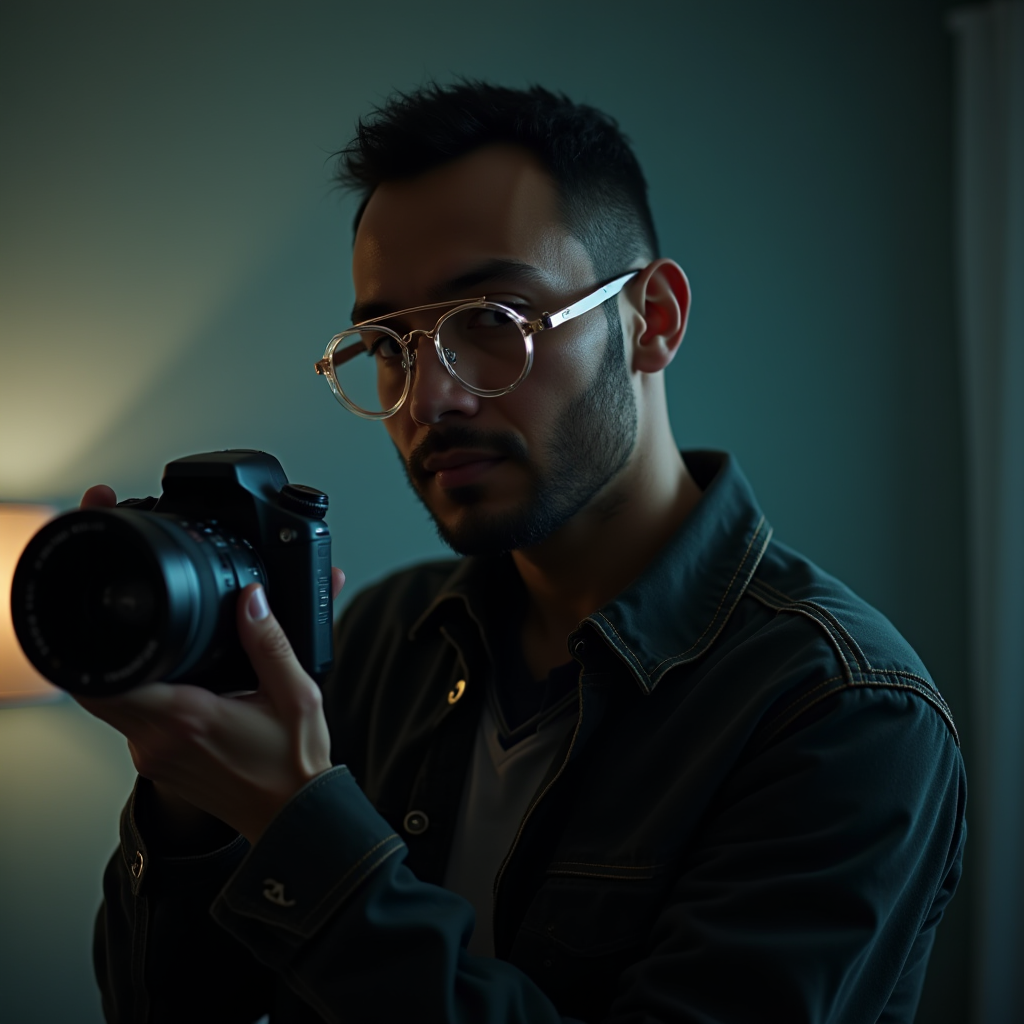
(497,203)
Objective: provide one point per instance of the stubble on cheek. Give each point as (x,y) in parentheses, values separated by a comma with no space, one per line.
(585,447)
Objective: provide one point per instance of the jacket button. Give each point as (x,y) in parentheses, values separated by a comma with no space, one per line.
(578,648)
(137,865)
(416,823)
(460,689)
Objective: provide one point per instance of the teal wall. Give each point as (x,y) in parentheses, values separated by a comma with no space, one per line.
(172,261)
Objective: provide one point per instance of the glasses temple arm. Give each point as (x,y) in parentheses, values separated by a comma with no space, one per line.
(587,303)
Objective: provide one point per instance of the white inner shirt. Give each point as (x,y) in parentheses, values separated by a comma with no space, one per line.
(499,787)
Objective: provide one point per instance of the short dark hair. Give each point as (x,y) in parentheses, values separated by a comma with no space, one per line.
(602,190)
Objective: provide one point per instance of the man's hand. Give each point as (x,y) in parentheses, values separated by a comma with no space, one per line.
(237,758)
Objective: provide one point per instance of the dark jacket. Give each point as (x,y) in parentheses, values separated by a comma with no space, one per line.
(759,815)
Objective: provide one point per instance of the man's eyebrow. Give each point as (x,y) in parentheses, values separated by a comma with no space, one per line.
(503,270)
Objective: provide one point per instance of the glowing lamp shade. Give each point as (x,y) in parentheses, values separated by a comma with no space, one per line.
(20,683)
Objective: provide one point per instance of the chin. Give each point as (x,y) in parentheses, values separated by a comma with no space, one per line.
(474,530)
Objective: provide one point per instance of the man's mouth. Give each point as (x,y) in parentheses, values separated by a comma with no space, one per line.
(459,468)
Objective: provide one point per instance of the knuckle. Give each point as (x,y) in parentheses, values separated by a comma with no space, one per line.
(190,727)
(309,700)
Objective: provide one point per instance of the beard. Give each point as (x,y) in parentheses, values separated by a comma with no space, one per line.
(592,440)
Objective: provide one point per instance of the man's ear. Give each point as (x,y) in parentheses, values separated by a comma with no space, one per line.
(661,295)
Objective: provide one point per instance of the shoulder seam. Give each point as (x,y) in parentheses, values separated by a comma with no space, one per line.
(857,670)
(804,703)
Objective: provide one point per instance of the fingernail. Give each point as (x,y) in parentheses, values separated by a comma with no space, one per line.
(258,607)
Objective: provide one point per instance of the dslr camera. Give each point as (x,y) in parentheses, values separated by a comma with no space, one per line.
(106,599)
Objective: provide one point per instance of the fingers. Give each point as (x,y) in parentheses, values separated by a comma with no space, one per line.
(100,496)
(287,686)
(150,709)
(282,679)
(337,581)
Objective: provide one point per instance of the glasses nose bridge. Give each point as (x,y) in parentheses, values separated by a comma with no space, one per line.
(431,334)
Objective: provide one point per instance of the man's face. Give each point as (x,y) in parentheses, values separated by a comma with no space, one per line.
(496,473)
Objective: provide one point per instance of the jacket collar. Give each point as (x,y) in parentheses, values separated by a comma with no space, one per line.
(673,612)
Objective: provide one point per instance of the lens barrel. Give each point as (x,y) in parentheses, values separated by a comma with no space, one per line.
(106,599)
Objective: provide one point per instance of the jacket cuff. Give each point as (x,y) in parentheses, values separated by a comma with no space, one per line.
(325,842)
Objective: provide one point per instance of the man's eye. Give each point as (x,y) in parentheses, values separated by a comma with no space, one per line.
(488,318)
(385,347)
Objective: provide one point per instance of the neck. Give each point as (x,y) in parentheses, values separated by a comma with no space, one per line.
(602,550)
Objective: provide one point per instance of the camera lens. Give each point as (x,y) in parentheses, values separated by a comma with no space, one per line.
(106,599)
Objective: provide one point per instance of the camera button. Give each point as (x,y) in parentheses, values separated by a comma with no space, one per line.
(416,823)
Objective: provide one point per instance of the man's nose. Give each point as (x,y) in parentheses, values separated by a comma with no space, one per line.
(434,392)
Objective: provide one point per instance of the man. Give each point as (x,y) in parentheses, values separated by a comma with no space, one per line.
(629,759)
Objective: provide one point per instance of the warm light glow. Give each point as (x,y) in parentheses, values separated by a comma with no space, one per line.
(19,681)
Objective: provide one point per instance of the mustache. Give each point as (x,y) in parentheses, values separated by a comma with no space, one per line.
(444,439)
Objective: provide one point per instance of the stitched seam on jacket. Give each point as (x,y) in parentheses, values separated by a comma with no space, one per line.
(827,622)
(330,901)
(864,666)
(725,594)
(625,651)
(924,694)
(668,663)
(797,610)
(854,646)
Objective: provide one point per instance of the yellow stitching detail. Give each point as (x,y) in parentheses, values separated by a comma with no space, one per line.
(930,693)
(839,626)
(675,658)
(781,593)
(842,630)
(303,927)
(736,601)
(341,881)
(930,684)
(736,573)
(851,686)
(629,651)
(798,609)
(809,609)
(370,868)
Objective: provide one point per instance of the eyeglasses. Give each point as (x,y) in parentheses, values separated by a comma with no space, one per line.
(486,346)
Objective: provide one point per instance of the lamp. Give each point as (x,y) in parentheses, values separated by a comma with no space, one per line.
(20,683)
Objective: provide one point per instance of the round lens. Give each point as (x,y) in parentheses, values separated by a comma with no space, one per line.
(111,625)
(484,346)
(371,369)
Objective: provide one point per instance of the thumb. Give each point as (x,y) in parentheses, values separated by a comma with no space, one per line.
(282,679)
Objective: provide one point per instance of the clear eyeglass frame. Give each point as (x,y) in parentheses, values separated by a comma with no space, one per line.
(545,322)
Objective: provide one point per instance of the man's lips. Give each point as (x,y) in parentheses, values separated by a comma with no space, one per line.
(460,468)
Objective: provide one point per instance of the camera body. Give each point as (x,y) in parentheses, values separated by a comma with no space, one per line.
(107,599)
